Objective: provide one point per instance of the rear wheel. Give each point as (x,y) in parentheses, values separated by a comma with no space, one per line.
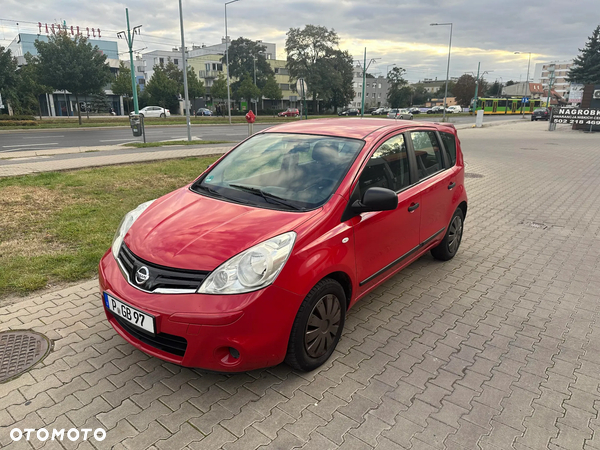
(162,115)
(318,326)
(446,249)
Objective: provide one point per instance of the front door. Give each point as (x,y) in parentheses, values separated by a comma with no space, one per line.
(385,240)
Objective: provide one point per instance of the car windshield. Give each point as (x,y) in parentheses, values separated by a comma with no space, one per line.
(281,171)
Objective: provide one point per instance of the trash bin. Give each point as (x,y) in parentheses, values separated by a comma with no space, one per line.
(136,124)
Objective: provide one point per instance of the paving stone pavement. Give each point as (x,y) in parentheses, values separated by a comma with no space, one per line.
(497,349)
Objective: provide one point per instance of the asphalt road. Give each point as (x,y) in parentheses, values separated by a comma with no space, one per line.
(61,138)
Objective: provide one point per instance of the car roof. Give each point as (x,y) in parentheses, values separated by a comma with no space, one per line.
(357,128)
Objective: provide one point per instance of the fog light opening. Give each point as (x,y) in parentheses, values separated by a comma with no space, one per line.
(234,353)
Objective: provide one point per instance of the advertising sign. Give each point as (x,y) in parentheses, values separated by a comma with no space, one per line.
(575,93)
(578,116)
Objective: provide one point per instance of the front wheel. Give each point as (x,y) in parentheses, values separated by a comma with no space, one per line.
(318,326)
(446,249)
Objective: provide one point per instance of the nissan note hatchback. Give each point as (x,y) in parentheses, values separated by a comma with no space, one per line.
(258,260)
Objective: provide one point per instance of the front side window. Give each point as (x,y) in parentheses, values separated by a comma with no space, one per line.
(450,145)
(427,152)
(281,171)
(387,168)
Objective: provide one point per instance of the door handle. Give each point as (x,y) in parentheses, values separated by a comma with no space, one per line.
(412,207)
(451,185)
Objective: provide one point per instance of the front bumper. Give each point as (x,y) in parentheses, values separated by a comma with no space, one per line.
(256,325)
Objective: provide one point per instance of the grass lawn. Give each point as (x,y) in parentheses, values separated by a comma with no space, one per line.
(162,144)
(57,225)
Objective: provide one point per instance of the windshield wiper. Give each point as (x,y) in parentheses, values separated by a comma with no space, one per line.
(265,195)
(215,193)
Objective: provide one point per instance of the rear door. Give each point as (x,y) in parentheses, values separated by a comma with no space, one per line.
(385,240)
(435,183)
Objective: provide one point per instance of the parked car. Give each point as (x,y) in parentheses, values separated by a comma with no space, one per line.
(378,112)
(399,114)
(290,112)
(258,260)
(204,112)
(415,110)
(349,112)
(154,111)
(454,109)
(370,110)
(540,114)
(436,110)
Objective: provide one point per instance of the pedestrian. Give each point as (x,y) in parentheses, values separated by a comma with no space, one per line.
(218,110)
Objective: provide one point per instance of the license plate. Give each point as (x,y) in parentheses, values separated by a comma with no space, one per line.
(132,315)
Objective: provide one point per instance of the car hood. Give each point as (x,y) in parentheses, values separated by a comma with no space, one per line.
(190,231)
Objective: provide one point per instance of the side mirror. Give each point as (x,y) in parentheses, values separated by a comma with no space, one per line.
(376,199)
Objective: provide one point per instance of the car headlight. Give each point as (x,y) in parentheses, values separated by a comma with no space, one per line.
(252,269)
(125,225)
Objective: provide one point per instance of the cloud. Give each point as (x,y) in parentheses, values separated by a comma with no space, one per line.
(395,32)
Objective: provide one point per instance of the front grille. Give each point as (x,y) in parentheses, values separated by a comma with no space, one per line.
(169,343)
(160,279)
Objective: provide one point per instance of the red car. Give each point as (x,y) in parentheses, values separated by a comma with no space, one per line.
(290,112)
(259,259)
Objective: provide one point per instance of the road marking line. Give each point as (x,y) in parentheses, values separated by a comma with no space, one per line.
(29,145)
(115,140)
(40,137)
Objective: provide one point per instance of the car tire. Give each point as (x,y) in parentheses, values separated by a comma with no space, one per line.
(318,326)
(163,115)
(141,115)
(446,249)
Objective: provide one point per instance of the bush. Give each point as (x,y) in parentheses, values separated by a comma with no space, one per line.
(18,123)
(16,117)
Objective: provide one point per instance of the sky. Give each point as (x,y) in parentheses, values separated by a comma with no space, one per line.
(393,32)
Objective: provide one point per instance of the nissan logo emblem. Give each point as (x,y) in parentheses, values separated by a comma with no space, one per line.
(142,275)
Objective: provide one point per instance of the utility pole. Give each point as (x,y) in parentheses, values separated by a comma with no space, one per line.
(185,83)
(227,61)
(476,89)
(550,82)
(362,107)
(129,39)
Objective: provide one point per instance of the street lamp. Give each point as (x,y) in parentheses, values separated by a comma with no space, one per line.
(526,80)
(448,68)
(227,61)
(185,81)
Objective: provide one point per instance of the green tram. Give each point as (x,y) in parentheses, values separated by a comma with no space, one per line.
(506,105)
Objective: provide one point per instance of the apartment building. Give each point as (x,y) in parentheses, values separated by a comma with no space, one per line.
(541,74)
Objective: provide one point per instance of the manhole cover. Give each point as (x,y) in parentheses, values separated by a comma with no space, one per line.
(19,351)
(473,175)
(539,225)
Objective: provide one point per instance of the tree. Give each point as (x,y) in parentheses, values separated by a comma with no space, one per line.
(100,102)
(121,85)
(8,75)
(195,85)
(162,90)
(464,91)
(72,64)
(304,47)
(271,89)
(247,89)
(440,92)
(28,91)
(420,95)
(219,87)
(494,89)
(246,55)
(586,67)
(337,68)
(399,92)
(510,83)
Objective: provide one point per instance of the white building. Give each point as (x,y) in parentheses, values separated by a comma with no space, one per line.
(541,74)
(376,90)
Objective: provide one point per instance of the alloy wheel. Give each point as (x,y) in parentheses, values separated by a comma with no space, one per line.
(455,234)
(322,326)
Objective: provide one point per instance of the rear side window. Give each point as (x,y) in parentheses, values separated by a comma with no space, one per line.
(450,144)
(427,152)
